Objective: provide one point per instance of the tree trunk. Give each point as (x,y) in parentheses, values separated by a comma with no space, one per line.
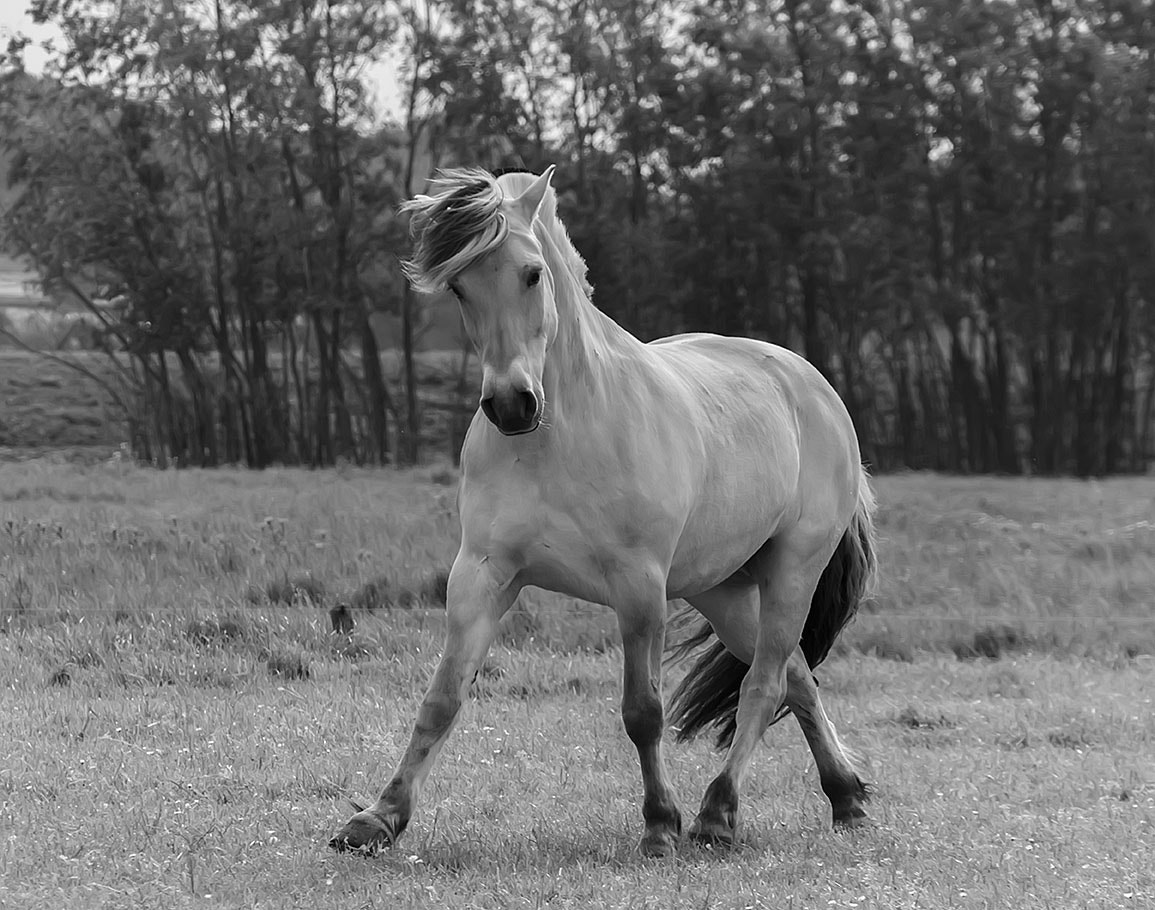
(411,449)
(378,397)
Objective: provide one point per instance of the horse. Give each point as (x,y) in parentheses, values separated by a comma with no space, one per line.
(723,471)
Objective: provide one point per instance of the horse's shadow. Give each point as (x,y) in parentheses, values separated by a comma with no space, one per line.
(546,852)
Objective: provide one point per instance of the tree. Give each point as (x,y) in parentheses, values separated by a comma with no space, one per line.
(226,190)
(947,206)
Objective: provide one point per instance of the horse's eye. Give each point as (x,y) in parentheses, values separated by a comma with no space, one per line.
(533,278)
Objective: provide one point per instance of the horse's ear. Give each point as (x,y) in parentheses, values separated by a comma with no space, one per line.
(530,201)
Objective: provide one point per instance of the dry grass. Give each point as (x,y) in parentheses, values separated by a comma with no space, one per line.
(170,732)
(984,566)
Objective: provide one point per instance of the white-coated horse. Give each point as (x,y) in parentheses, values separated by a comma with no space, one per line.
(724,471)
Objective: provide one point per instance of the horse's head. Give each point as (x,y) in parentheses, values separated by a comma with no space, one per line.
(475,237)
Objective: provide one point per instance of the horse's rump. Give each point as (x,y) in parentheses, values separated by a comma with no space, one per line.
(708,694)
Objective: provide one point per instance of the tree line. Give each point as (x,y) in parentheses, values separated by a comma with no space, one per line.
(948,206)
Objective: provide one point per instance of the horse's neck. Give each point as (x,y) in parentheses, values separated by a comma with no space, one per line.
(585,361)
(590,352)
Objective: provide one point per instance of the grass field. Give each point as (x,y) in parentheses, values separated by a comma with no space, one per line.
(46,403)
(179,726)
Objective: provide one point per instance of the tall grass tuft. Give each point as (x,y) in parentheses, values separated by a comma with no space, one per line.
(375,594)
(219,630)
(296,589)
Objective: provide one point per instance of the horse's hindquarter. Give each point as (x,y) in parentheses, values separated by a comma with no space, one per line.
(781,453)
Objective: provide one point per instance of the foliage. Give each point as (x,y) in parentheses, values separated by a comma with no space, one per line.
(946,206)
(209,173)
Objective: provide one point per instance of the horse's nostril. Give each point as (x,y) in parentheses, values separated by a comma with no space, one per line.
(511,412)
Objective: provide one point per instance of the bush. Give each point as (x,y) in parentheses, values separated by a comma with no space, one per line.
(372,595)
(991,643)
(217,630)
(287,664)
(293,590)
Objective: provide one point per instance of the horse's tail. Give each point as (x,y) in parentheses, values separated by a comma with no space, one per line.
(708,694)
(845,583)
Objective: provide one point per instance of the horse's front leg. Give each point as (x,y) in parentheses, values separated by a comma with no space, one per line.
(643,639)
(476,601)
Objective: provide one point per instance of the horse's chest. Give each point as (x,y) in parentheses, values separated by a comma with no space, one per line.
(589,540)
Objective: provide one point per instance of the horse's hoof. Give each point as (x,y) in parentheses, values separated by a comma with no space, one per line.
(367,831)
(658,843)
(710,833)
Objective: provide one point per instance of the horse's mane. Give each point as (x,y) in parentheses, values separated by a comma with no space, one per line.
(461,221)
(453,227)
(563,249)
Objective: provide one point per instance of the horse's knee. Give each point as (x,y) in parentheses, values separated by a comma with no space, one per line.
(642,717)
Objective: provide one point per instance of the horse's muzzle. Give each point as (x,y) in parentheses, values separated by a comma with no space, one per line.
(513,412)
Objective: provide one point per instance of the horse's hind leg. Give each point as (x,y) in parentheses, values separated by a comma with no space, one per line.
(841,781)
(786,576)
(643,640)
(733,611)
(477,599)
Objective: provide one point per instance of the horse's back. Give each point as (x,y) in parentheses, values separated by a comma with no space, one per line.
(708,356)
(739,368)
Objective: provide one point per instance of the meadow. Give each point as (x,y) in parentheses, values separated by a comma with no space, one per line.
(181,727)
(47,403)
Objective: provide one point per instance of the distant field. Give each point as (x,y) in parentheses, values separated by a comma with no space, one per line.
(44,403)
(180,727)
(47,405)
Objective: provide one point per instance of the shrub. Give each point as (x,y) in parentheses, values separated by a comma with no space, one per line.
(991,642)
(435,589)
(292,590)
(217,630)
(372,595)
(287,664)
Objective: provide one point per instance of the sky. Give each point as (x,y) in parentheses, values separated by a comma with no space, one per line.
(14,19)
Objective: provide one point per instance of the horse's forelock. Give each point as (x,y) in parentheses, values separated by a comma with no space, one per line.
(455,226)
(461,221)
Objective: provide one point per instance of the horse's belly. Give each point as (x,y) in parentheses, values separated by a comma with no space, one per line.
(725,531)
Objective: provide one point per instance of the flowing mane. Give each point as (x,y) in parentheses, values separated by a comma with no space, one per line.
(461,221)
(454,227)
(559,246)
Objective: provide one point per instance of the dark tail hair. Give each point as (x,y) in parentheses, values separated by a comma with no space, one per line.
(708,694)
